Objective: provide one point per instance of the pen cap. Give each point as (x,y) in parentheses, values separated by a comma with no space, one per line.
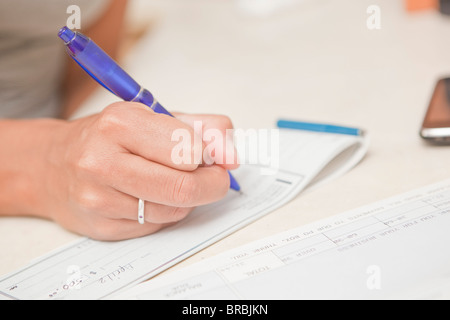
(66,34)
(99,65)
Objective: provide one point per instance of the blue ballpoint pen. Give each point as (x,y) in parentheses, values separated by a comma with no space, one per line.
(111,76)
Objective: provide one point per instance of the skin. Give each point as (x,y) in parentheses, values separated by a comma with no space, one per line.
(88,174)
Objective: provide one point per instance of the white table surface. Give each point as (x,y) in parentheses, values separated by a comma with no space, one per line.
(314,61)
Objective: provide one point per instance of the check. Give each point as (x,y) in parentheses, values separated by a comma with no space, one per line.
(89,269)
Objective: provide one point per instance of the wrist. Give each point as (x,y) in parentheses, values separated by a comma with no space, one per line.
(25,147)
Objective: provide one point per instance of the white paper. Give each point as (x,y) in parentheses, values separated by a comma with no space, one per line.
(90,269)
(398,248)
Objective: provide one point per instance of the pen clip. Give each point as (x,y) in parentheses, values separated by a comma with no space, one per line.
(93,76)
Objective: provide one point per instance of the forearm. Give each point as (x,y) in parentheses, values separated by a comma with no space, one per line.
(25,154)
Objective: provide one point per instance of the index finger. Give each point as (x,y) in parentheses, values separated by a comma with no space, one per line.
(155,137)
(217,135)
(157,183)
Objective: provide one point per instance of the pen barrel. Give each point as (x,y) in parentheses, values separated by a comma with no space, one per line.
(102,67)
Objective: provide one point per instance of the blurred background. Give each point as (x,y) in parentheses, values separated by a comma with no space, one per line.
(318,60)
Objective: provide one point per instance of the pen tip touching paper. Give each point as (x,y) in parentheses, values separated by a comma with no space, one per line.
(233,183)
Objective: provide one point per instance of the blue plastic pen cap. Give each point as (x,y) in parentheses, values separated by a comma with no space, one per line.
(66,34)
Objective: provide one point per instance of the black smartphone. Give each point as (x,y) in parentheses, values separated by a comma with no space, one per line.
(436,124)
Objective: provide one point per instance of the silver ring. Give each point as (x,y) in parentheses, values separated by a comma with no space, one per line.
(141,217)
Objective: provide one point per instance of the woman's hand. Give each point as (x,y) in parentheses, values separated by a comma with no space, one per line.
(100,166)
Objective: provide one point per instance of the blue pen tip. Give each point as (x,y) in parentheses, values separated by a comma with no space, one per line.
(66,34)
(233,183)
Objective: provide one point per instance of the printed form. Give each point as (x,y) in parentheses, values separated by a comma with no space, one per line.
(89,269)
(398,248)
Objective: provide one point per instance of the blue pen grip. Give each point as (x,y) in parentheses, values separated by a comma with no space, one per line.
(145,97)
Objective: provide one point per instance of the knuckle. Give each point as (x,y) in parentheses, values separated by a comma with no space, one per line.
(225,121)
(86,162)
(185,190)
(186,150)
(196,155)
(90,166)
(111,118)
(89,201)
(178,214)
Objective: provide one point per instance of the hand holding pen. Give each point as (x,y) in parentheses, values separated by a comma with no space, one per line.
(104,164)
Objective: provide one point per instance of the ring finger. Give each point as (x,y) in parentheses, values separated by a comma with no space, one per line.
(123,206)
